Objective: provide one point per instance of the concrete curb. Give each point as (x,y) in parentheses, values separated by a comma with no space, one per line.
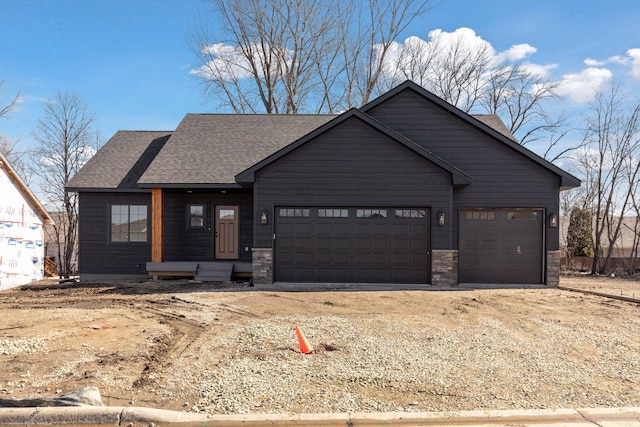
(135,416)
(98,415)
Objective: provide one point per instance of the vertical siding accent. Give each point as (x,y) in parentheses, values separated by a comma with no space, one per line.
(157,224)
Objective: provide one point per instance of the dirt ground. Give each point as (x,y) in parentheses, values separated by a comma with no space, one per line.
(157,344)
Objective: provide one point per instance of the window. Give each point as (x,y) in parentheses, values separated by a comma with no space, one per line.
(522,215)
(480,215)
(196,216)
(294,212)
(371,213)
(226,214)
(411,213)
(333,213)
(129,223)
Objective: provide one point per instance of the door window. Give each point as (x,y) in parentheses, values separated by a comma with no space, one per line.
(226,214)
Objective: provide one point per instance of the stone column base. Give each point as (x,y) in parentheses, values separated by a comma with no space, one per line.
(262,268)
(553,268)
(444,267)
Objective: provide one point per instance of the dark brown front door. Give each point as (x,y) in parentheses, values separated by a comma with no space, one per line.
(226,232)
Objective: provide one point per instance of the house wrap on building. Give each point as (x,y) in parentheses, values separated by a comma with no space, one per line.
(406,189)
(22,218)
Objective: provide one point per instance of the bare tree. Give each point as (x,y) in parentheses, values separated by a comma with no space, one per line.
(10,149)
(65,142)
(17,158)
(284,56)
(611,167)
(519,96)
(4,110)
(465,71)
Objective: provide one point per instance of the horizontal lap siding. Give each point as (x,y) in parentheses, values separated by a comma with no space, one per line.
(182,243)
(502,177)
(352,165)
(97,255)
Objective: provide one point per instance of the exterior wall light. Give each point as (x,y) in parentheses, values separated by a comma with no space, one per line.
(263,217)
(553,220)
(440,218)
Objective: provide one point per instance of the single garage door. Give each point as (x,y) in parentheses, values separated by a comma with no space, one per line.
(501,246)
(345,245)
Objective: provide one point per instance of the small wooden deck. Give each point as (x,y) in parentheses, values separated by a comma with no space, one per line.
(204,271)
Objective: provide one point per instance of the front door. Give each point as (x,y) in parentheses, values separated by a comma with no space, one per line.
(226,232)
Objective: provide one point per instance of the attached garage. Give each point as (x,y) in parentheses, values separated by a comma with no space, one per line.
(501,246)
(352,244)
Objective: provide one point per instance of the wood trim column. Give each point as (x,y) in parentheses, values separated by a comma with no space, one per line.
(157,225)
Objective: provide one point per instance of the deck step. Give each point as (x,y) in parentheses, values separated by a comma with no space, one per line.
(214,272)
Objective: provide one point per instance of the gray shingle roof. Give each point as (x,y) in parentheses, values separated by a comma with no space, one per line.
(493,121)
(213,148)
(121,161)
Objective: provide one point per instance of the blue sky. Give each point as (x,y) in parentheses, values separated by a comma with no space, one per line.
(130,60)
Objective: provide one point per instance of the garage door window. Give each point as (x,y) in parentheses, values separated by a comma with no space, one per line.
(411,213)
(522,215)
(371,213)
(480,215)
(294,212)
(333,213)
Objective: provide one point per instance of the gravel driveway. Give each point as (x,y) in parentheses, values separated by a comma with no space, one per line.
(184,346)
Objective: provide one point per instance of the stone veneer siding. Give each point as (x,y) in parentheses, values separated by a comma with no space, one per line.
(444,267)
(262,267)
(553,268)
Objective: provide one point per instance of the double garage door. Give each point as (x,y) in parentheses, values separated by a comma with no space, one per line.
(501,246)
(355,244)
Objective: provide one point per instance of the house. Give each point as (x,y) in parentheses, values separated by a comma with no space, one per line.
(22,219)
(406,189)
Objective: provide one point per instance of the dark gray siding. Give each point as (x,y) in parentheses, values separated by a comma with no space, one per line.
(352,165)
(182,243)
(502,177)
(96,253)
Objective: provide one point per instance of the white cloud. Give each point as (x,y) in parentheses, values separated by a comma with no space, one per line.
(538,69)
(634,54)
(227,62)
(617,59)
(462,36)
(582,87)
(594,62)
(518,52)
(631,60)
(418,54)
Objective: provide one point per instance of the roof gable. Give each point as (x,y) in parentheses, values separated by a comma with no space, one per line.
(24,189)
(484,123)
(459,177)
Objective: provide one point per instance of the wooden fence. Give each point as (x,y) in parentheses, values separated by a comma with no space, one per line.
(617,265)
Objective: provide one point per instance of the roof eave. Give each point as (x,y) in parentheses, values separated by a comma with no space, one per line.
(224,185)
(104,190)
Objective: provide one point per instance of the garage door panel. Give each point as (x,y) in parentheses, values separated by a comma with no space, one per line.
(501,246)
(358,245)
